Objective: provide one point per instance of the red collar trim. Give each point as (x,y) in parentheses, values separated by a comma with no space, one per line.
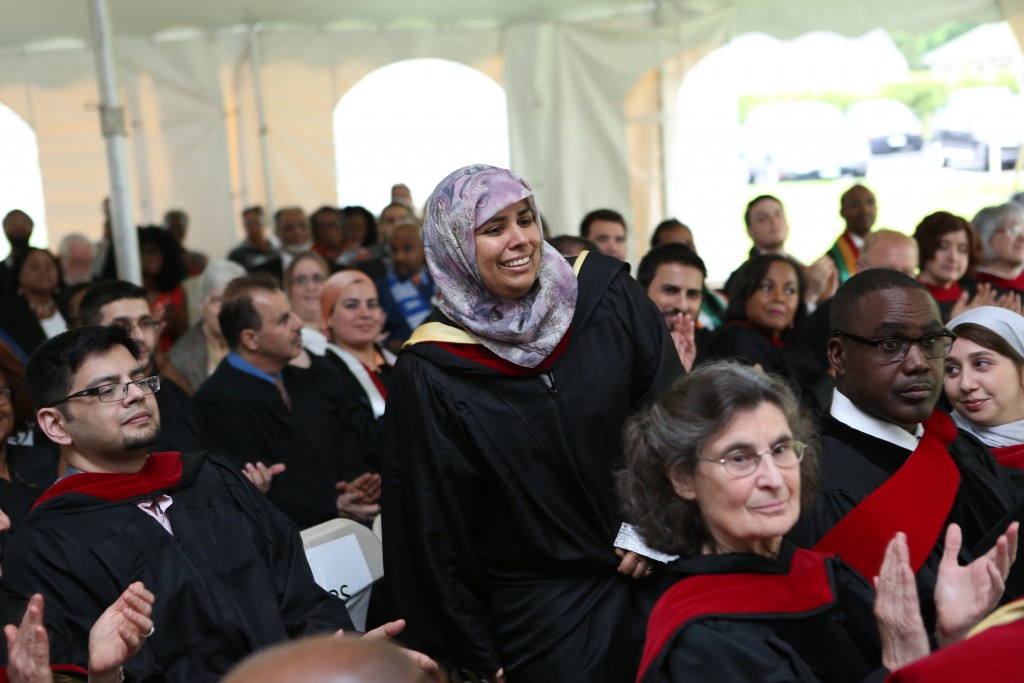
(806,587)
(1010,456)
(161,471)
(478,353)
(998,281)
(915,500)
(947,295)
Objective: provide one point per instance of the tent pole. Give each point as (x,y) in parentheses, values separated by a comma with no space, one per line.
(124,239)
(261,117)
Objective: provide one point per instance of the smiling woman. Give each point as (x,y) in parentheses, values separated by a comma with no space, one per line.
(501,432)
(766,310)
(985,381)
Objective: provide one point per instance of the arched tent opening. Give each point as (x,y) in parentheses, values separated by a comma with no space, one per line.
(414,122)
(21,183)
(688,147)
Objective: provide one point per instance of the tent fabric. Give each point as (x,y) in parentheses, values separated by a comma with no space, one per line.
(187,80)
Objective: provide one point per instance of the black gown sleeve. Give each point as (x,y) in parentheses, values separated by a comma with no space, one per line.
(432,491)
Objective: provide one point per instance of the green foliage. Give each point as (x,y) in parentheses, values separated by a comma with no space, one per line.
(922,94)
(915,45)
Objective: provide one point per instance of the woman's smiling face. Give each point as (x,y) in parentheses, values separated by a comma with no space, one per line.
(508,251)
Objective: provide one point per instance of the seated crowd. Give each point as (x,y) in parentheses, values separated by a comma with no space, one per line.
(813,473)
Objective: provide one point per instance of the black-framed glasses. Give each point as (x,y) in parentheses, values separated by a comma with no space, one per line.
(742,462)
(110,393)
(895,349)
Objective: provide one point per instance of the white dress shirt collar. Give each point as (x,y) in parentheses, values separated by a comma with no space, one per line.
(852,416)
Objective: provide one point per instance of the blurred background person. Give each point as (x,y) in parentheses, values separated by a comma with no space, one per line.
(29,462)
(176,222)
(1000,230)
(765,314)
(75,255)
(29,314)
(304,280)
(948,250)
(198,352)
(407,291)
(163,272)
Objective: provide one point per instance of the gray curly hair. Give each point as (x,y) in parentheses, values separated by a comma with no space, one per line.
(669,435)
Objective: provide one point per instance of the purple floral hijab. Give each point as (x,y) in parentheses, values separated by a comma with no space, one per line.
(523,331)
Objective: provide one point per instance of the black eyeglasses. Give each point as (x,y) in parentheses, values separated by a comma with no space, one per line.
(895,349)
(110,393)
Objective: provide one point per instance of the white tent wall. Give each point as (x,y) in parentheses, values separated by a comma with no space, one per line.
(191,109)
(55,93)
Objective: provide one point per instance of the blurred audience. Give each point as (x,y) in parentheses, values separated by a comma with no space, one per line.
(407,290)
(304,281)
(198,352)
(858,209)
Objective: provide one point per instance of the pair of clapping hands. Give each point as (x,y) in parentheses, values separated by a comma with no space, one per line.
(358,499)
(963,595)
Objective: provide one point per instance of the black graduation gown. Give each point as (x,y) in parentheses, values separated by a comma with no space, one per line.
(181,425)
(838,642)
(853,464)
(231,580)
(247,420)
(498,510)
(18,320)
(740,342)
(32,470)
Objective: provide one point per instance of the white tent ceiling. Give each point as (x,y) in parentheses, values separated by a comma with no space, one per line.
(187,78)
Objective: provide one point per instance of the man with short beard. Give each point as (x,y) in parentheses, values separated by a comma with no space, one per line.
(123,303)
(227,569)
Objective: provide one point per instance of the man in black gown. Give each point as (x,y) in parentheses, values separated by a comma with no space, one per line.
(890,461)
(226,567)
(124,303)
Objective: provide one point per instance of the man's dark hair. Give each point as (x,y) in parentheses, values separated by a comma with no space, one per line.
(601,215)
(64,304)
(368,218)
(667,224)
(173,271)
(843,311)
(320,212)
(667,253)
(570,245)
(750,276)
(238,312)
(753,202)
(51,370)
(102,293)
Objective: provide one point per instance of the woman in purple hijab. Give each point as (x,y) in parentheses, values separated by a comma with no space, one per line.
(502,434)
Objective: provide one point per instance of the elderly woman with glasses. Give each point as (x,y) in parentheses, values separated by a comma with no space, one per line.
(502,431)
(716,472)
(1001,233)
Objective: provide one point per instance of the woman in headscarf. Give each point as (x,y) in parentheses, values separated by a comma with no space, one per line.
(985,381)
(502,431)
